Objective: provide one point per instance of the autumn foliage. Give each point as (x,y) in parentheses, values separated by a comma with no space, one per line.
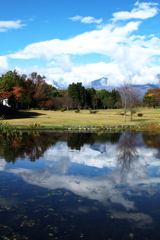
(5,94)
(17,92)
(152,97)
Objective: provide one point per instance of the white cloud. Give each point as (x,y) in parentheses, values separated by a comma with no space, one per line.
(6,25)
(86,20)
(3,64)
(81,73)
(129,54)
(104,41)
(142,11)
(62,62)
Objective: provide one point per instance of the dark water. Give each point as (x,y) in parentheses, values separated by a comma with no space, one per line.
(80,186)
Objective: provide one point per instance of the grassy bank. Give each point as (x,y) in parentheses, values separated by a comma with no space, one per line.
(102,117)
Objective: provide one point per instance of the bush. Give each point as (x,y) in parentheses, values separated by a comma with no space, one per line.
(93,111)
(77,111)
(63,109)
(7,130)
(151,127)
(34,126)
(134,111)
(140,114)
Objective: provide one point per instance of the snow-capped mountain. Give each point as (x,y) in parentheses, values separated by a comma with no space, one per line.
(102,83)
(98,84)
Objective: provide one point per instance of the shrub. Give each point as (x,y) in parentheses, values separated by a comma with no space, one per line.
(140,114)
(7,130)
(2,117)
(134,111)
(151,127)
(34,125)
(93,111)
(63,109)
(77,111)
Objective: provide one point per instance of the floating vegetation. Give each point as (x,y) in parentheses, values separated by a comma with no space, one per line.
(29,223)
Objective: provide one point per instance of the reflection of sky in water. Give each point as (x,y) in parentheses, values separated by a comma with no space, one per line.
(95,173)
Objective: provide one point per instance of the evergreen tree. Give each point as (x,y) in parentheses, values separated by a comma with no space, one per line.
(78,94)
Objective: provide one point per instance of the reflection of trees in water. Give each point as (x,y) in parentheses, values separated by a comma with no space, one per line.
(32,145)
(28,144)
(152,140)
(108,137)
(77,140)
(126,150)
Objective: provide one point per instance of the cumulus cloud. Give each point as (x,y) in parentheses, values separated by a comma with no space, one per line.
(7,25)
(3,64)
(104,41)
(86,20)
(141,11)
(129,54)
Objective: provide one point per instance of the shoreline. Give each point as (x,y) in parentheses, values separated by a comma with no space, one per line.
(87,128)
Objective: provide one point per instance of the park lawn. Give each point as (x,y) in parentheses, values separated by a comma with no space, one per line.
(102,117)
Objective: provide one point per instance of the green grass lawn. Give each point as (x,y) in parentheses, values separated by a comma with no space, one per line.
(102,117)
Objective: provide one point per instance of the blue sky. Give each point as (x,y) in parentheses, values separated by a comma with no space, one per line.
(81,40)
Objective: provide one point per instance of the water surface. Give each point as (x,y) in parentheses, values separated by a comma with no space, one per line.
(87,186)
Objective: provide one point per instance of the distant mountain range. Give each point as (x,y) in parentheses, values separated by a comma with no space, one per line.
(99,84)
(102,83)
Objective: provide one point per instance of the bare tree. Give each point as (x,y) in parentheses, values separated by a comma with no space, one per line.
(67,102)
(130,97)
(124,93)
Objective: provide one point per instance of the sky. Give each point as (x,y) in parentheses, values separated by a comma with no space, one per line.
(81,40)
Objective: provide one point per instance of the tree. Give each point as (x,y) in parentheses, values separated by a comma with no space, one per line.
(152,97)
(11,85)
(130,98)
(9,80)
(66,102)
(17,92)
(54,92)
(91,97)
(49,104)
(78,94)
(116,97)
(108,99)
(103,96)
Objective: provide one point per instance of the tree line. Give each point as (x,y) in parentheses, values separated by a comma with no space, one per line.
(32,91)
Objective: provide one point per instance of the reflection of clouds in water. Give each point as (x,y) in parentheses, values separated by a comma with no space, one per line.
(140,220)
(97,188)
(113,187)
(86,156)
(2,164)
(59,158)
(94,158)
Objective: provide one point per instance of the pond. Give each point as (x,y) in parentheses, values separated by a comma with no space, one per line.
(90,186)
